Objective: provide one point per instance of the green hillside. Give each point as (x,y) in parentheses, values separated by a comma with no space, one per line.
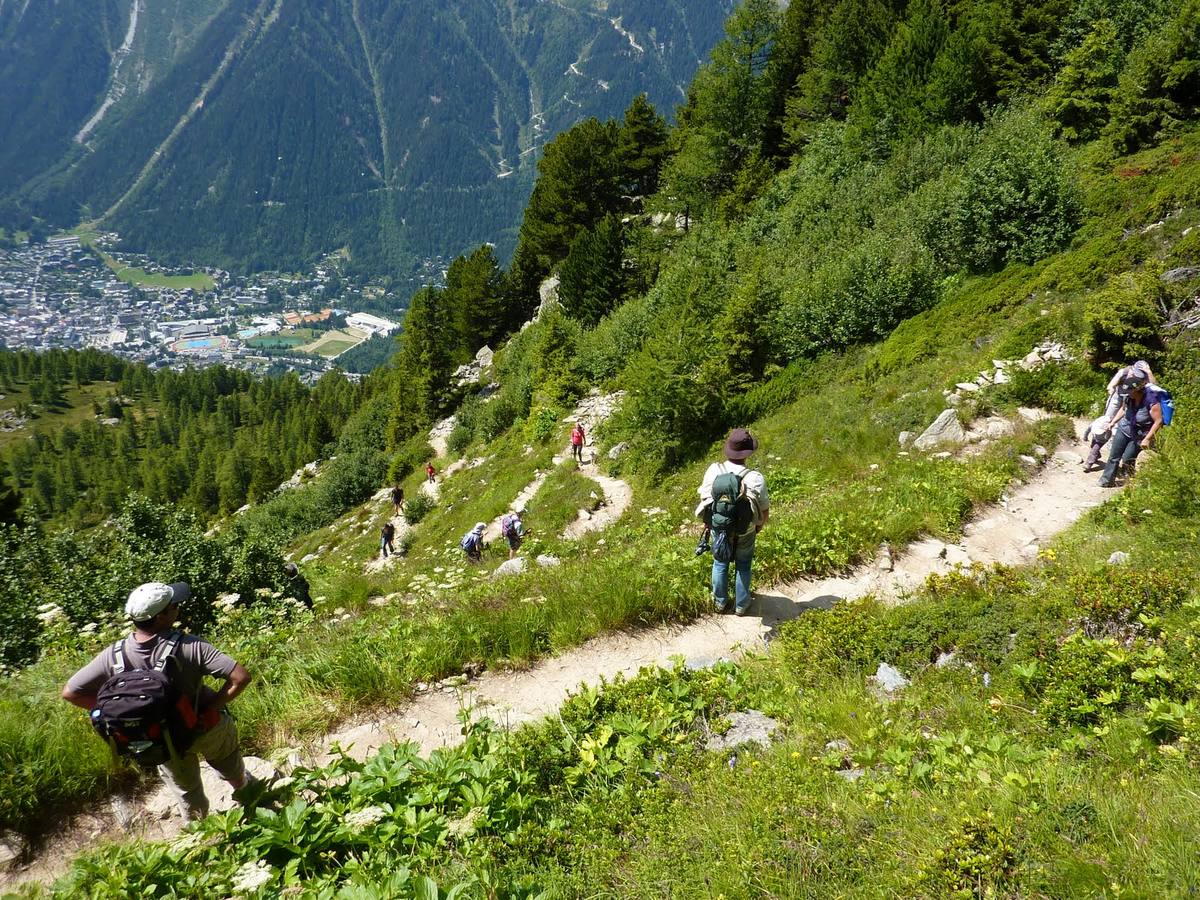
(880,201)
(287,131)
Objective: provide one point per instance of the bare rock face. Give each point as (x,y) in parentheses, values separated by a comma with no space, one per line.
(945,429)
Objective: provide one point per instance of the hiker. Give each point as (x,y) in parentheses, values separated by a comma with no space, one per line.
(513,530)
(386,535)
(397,499)
(1097,433)
(297,585)
(1133,426)
(577,440)
(430,473)
(735,506)
(472,542)
(185,660)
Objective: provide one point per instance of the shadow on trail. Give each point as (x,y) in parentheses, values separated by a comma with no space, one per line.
(776,609)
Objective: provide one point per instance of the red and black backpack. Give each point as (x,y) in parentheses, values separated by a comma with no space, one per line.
(141,713)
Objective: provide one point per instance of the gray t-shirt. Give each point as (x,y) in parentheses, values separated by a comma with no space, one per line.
(194,658)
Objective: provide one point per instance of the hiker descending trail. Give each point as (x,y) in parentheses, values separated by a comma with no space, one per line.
(1011,533)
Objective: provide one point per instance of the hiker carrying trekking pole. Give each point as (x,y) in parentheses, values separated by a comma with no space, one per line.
(735,507)
(147,698)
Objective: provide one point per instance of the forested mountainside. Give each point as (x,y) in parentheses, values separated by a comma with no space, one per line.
(867,213)
(257,134)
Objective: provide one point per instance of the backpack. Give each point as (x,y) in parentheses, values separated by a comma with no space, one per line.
(141,714)
(508,526)
(470,541)
(1166,402)
(731,515)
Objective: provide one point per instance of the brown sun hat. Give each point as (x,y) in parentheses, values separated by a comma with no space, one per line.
(740,444)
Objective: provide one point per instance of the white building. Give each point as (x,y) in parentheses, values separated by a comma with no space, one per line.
(371,324)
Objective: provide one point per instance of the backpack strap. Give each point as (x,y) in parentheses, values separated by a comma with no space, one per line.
(169,648)
(119,663)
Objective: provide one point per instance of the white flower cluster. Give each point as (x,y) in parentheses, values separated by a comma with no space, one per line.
(252,876)
(361,818)
(50,612)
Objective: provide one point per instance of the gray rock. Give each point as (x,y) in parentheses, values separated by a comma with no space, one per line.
(883,560)
(1027,459)
(618,449)
(906,438)
(888,679)
(1001,377)
(945,429)
(1030,414)
(12,847)
(1119,558)
(996,427)
(511,567)
(749,727)
(548,562)
(308,557)
(850,775)
(841,745)
(1183,273)
(969,386)
(944,454)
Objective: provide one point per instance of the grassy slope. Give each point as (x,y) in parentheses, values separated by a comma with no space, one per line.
(824,836)
(76,408)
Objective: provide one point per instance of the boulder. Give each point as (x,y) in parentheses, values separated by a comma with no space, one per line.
(548,562)
(12,848)
(1119,558)
(510,567)
(749,727)
(1001,377)
(945,429)
(1183,273)
(996,427)
(1032,414)
(906,438)
(969,386)
(888,679)
(618,450)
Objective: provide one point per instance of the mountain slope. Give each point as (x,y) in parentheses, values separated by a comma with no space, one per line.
(282,131)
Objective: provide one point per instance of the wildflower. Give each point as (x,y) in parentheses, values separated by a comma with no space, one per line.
(187,841)
(369,815)
(252,876)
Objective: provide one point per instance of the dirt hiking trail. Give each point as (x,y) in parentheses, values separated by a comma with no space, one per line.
(1011,532)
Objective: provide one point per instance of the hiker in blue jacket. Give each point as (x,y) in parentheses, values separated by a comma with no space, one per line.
(1133,426)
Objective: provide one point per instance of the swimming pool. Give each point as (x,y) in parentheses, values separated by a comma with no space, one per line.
(210,343)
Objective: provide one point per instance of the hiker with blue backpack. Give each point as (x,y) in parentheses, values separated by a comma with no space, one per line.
(472,542)
(146,696)
(1144,409)
(735,507)
(1098,433)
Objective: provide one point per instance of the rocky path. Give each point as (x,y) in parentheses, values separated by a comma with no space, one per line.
(1011,532)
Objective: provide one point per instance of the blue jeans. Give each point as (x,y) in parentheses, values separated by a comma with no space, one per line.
(1125,448)
(720,574)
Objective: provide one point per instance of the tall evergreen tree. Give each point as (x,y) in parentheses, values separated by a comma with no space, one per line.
(592,277)
(642,145)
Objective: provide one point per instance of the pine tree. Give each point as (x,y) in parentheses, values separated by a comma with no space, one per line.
(1078,101)
(642,145)
(592,277)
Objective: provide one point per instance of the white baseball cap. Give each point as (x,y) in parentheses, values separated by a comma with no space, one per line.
(147,600)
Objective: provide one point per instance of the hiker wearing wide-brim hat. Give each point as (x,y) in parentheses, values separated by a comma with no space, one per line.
(156,650)
(735,505)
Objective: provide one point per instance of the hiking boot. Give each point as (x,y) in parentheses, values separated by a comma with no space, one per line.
(742,610)
(719,605)
(1106,483)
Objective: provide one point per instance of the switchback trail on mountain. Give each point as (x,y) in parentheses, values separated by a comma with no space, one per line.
(1012,532)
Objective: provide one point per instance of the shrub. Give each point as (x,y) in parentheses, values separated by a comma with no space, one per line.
(1072,388)
(459,439)
(412,455)
(541,424)
(417,508)
(1123,320)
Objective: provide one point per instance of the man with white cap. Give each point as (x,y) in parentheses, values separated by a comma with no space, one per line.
(153,609)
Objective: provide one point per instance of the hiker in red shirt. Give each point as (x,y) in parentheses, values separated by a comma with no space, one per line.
(430,472)
(577,439)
